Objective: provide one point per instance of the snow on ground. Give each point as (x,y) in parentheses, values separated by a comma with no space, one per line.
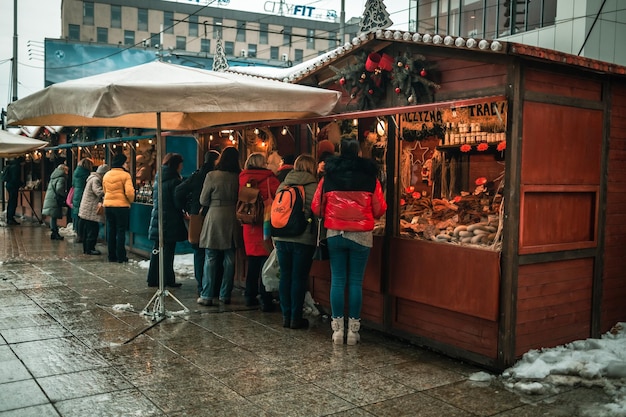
(590,362)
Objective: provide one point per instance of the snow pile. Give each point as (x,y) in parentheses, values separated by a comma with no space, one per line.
(183,265)
(122,307)
(590,362)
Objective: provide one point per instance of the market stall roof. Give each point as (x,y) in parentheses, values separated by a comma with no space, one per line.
(12,145)
(321,66)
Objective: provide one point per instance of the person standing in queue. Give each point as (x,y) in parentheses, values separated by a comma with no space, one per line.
(13,182)
(54,201)
(295,254)
(89,218)
(188,198)
(256,170)
(349,197)
(79,180)
(221,232)
(119,193)
(174,229)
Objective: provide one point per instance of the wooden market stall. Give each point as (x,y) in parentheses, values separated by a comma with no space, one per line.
(504,170)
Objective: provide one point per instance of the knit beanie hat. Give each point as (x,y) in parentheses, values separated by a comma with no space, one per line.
(118,161)
(103,169)
(325,146)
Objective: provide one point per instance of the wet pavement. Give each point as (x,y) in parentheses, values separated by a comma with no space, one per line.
(73,343)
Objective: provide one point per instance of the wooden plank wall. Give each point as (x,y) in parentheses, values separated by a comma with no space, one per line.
(554,303)
(562,142)
(613,307)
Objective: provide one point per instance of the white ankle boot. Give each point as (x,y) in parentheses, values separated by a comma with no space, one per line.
(353,331)
(337,326)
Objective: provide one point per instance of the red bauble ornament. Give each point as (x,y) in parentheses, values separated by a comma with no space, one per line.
(423,72)
(397,90)
(342,81)
(370,91)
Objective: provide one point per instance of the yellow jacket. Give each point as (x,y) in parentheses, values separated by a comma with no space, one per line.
(118,188)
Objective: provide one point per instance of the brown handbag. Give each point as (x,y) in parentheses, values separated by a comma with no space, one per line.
(195,227)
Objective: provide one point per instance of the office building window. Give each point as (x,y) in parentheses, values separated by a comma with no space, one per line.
(193,25)
(482,18)
(142,19)
(273,52)
(168,22)
(229,48)
(332,40)
(181,42)
(298,55)
(102,35)
(310,38)
(129,37)
(155,39)
(205,45)
(88,13)
(263,34)
(73,32)
(217,27)
(241,31)
(116,16)
(287,36)
(252,50)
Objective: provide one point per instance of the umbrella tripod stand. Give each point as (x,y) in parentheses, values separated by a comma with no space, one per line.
(155,309)
(156,306)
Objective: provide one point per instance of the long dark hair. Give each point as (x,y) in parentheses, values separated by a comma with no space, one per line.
(229,160)
(173,160)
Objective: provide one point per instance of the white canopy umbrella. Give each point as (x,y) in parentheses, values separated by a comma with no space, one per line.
(12,145)
(160,96)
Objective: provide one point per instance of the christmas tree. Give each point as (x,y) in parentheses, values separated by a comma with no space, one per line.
(375,16)
(220,63)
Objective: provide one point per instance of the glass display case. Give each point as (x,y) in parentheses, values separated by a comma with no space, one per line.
(451,174)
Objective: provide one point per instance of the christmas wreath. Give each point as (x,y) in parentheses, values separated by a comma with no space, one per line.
(410,80)
(366,79)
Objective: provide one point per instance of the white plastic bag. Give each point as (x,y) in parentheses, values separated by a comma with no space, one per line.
(270,274)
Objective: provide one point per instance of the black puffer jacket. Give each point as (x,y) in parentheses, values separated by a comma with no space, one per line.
(174,229)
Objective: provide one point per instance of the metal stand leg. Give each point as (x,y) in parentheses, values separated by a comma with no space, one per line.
(155,308)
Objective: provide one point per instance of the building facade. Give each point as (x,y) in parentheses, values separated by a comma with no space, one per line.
(589,28)
(192,29)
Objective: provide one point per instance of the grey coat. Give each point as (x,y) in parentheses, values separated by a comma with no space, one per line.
(92,195)
(55,192)
(309,237)
(220,229)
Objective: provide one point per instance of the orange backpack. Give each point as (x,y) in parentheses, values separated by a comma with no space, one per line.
(288,217)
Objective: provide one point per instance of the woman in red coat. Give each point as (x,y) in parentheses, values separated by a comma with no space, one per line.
(350,199)
(257,249)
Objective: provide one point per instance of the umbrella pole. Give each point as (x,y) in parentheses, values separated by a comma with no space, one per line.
(157,311)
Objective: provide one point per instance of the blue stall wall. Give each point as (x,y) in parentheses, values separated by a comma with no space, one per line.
(188,148)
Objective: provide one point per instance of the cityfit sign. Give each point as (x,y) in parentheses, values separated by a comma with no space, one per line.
(299,10)
(280,8)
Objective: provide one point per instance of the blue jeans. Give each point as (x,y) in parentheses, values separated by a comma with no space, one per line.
(210,278)
(348,260)
(295,261)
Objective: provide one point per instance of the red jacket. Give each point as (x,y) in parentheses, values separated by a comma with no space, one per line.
(352,195)
(267,184)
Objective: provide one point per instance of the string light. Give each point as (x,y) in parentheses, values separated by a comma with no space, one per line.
(211,137)
(256,131)
(284,131)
